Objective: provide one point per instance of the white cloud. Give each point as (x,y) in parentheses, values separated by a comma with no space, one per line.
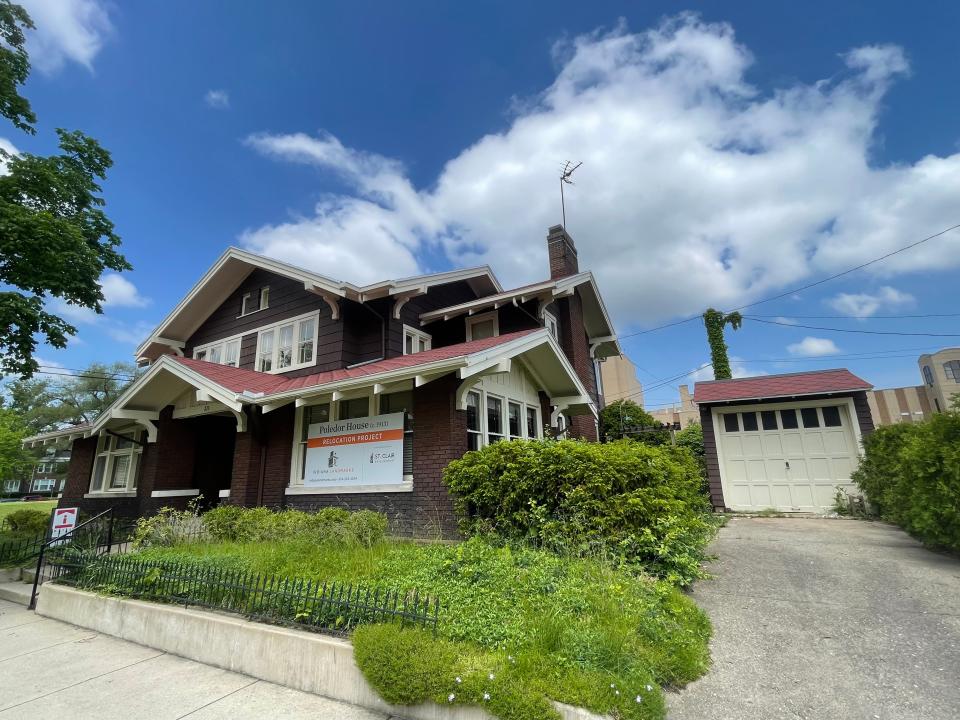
(217,99)
(128,334)
(66,30)
(863,305)
(120,292)
(7,147)
(813,347)
(696,189)
(785,320)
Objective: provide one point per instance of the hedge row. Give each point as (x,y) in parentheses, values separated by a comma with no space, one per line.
(910,473)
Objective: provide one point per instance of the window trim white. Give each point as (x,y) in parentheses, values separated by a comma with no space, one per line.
(472,320)
(295,485)
(275,327)
(548,316)
(264,301)
(206,347)
(416,335)
(105,448)
(483,431)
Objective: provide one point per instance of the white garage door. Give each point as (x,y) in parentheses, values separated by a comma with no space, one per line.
(791,458)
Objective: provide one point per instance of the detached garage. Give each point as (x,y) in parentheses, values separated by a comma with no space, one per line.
(782,441)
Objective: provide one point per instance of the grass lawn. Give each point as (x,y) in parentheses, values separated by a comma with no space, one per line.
(8,507)
(517,626)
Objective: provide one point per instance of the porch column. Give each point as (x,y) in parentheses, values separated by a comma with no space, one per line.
(167,464)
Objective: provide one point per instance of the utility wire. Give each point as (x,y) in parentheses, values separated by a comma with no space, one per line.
(807,286)
(854,317)
(850,330)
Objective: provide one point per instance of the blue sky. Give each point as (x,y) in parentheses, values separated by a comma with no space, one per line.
(731,152)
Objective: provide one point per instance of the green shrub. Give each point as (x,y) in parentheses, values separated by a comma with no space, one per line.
(910,473)
(169,527)
(230,523)
(28,521)
(624,500)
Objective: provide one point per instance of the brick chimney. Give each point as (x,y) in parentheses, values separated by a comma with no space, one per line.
(563,253)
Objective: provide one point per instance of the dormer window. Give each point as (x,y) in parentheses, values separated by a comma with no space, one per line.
(264,298)
(480,327)
(246,306)
(415,341)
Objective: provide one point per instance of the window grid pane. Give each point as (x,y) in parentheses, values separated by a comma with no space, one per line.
(809,417)
(494,419)
(730,422)
(265,361)
(788,419)
(532,423)
(285,347)
(768,419)
(513,418)
(749,421)
(831,416)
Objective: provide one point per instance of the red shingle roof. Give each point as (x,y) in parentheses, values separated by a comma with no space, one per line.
(237,379)
(778,386)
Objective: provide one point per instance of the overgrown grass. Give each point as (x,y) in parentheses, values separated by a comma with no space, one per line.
(519,626)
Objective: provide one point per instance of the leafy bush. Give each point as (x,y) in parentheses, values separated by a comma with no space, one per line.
(622,416)
(169,527)
(691,438)
(911,475)
(230,523)
(624,500)
(28,521)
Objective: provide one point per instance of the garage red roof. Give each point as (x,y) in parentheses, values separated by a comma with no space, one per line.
(238,379)
(817,382)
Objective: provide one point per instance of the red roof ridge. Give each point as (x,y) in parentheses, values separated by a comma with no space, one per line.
(810,382)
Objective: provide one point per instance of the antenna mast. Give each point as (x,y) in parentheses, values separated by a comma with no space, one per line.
(568,170)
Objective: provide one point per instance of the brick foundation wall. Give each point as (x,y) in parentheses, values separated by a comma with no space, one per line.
(439,436)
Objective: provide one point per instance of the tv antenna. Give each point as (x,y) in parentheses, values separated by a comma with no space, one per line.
(568,170)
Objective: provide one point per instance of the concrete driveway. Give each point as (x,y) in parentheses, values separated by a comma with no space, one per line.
(827,619)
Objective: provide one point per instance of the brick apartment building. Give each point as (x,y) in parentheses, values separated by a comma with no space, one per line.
(272,385)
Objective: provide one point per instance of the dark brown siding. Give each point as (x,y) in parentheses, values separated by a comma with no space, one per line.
(863,413)
(712,461)
(363,329)
(287,299)
(442,333)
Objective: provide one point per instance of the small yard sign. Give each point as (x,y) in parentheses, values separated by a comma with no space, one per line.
(64,520)
(362,451)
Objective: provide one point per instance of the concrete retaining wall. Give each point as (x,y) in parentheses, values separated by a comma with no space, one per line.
(292,658)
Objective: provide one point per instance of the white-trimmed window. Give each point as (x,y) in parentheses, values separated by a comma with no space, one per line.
(262,296)
(43,484)
(491,418)
(514,420)
(348,409)
(533,422)
(287,345)
(224,352)
(415,341)
(483,326)
(550,323)
(118,459)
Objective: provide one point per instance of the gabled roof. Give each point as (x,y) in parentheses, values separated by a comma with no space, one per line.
(170,377)
(234,265)
(818,382)
(595,317)
(54,436)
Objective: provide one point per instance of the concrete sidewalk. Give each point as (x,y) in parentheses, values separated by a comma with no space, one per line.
(51,669)
(827,619)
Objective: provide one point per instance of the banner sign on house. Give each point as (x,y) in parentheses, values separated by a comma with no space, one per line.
(362,451)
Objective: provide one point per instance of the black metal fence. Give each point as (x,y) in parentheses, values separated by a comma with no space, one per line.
(309,604)
(17,551)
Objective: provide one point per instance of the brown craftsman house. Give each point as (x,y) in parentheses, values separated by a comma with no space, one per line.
(272,385)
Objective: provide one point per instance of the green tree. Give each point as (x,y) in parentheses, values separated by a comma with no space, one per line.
(618,418)
(55,240)
(46,405)
(715,321)
(15,462)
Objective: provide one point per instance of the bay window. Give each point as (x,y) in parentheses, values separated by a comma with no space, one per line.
(474,433)
(494,419)
(513,421)
(117,462)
